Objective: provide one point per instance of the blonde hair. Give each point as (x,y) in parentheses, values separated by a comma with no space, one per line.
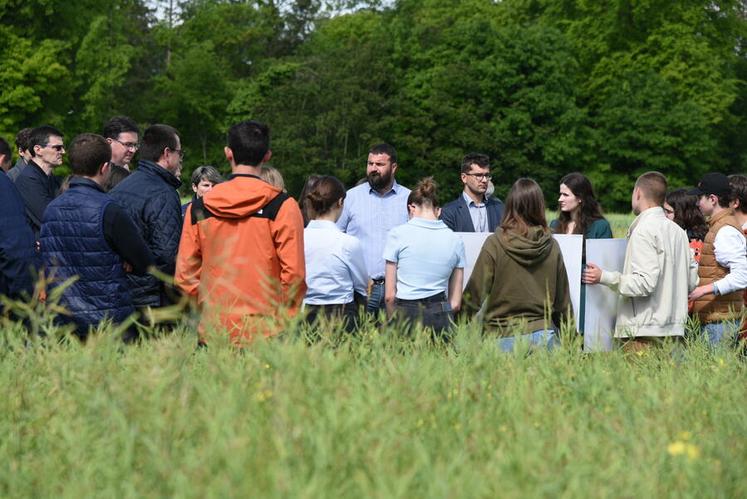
(272,176)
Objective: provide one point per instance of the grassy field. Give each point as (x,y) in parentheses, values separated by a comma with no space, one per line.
(376,416)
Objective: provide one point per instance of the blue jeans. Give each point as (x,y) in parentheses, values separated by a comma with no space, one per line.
(721,332)
(375,299)
(541,338)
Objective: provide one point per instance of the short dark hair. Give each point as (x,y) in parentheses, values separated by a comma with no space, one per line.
(40,136)
(385,149)
(738,185)
(155,139)
(475,158)
(206,172)
(117,125)
(23,137)
(5,149)
(88,152)
(654,187)
(249,141)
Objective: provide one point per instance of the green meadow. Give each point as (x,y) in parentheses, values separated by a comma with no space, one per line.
(376,415)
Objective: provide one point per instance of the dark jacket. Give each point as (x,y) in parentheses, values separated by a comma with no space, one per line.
(456,214)
(74,244)
(516,276)
(37,189)
(149,196)
(18,256)
(14,172)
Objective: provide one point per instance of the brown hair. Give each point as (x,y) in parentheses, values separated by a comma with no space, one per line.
(323,195)
(424,193)
(589,209)
(525,207)
(738,185)
(654,187)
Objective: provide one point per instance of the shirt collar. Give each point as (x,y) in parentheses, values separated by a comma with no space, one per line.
(427,224)
(322,224)
(469,200)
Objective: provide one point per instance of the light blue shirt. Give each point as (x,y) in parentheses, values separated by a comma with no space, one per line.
(334,265)
(426,253)
(478,213)
(370,216)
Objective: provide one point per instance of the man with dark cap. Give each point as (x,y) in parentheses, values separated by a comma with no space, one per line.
(723,262)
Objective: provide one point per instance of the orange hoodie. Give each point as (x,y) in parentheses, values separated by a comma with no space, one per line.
(243,268)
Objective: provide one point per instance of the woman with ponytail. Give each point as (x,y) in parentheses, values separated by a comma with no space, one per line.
(424,264)
(335,268)
(519,280)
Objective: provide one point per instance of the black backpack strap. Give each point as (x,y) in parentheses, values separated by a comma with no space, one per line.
(199,211)
(271,209)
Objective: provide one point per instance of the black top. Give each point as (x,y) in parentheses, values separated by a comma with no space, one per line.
(37,189)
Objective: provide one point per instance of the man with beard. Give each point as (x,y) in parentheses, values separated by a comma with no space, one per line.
(371,210)
(475,210)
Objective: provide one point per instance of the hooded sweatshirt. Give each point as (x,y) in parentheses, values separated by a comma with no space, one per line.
(521,282)
(241,256)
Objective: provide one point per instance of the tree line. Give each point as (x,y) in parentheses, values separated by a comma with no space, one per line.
(610,88)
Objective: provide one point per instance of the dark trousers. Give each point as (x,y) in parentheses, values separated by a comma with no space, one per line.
(348,313)
(434,312)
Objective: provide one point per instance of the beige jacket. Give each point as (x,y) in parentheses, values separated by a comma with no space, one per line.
(658,274)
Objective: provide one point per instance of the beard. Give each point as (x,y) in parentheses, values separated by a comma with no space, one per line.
(378,181)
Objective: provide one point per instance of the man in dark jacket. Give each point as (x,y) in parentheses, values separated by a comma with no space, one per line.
(86,235)
(473,210)
(149,196)
(18,256)
(37,184)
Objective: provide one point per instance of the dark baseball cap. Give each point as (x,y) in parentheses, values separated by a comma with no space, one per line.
(713,183)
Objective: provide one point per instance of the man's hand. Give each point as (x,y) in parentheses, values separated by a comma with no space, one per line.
(592,274)
(700,291)
(127,267)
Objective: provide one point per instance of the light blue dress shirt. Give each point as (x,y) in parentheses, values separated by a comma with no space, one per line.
(334,265)
(478,213)
(426,253)
(370,216)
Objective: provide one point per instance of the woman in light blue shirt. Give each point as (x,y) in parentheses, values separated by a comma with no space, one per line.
(335,266)
(424,264)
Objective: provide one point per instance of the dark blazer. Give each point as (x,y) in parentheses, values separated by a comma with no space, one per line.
(456,214)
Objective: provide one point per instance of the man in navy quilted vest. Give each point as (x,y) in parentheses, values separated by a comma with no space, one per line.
(85,235)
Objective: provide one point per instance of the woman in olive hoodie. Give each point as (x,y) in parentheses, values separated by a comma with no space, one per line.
(519,281)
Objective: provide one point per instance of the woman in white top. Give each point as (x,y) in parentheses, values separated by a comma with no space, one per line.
(424,264)
(335,267)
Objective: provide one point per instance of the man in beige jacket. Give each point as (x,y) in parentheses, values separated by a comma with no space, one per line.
(658,273)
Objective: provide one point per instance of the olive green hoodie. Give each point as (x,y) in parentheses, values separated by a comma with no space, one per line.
(515,276)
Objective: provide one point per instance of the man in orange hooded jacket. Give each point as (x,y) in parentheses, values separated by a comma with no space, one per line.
(241,254)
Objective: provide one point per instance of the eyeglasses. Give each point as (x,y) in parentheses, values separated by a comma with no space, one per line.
(179,151)
(132,146)
(56,147)
(480,176)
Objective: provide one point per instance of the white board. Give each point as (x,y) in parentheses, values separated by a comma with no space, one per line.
(570,246)
(601,301)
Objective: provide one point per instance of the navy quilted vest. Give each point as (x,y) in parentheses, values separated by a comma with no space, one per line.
(73,244)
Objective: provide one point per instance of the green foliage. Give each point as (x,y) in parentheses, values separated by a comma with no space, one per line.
(544,87)
(376,416)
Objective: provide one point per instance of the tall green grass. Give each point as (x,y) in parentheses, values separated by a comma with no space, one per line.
(379,415)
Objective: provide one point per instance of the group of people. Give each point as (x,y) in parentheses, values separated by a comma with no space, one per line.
(249,257)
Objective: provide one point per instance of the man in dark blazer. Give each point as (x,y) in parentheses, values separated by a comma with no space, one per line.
(473,211)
